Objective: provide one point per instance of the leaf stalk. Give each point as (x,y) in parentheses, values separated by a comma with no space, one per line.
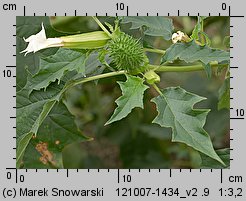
(158,51)
(197,67)
(102,27)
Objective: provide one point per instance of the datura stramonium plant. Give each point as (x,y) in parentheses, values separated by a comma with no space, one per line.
(123,54)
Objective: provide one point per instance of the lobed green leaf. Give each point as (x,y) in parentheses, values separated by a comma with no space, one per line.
(30,112)
(132,96)
(54,67)
(175,110)
(152,25)
(191,52)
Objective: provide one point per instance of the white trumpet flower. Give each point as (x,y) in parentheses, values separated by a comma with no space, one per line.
(39,41)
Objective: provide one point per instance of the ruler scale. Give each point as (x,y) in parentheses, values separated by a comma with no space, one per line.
(123,184)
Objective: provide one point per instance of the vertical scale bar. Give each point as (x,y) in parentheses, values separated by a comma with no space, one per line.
(14,127)
(231,77)
(16,176)
(118,176)
(221,176)
(230,91)
(230,85)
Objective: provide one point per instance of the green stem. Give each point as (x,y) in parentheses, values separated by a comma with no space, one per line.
(88,79)
(203,40)
(153,67)
(102,27)
(157,89)
(97,77)
(197,67)
(158,51)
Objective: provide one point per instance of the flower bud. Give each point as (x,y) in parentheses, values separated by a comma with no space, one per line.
(180,37)
(92,40)
(152,77)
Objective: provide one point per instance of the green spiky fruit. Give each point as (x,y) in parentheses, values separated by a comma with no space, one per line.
(127,53)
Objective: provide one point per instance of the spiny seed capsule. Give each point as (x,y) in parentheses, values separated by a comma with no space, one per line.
(127,53)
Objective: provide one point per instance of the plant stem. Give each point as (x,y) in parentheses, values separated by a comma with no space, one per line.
(158,51)
(102,27)
(157,89)
(197,67)
(153,67)
(88,79)
(203,40)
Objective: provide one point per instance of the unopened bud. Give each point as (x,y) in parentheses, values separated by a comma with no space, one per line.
(180,37)
(152,77)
